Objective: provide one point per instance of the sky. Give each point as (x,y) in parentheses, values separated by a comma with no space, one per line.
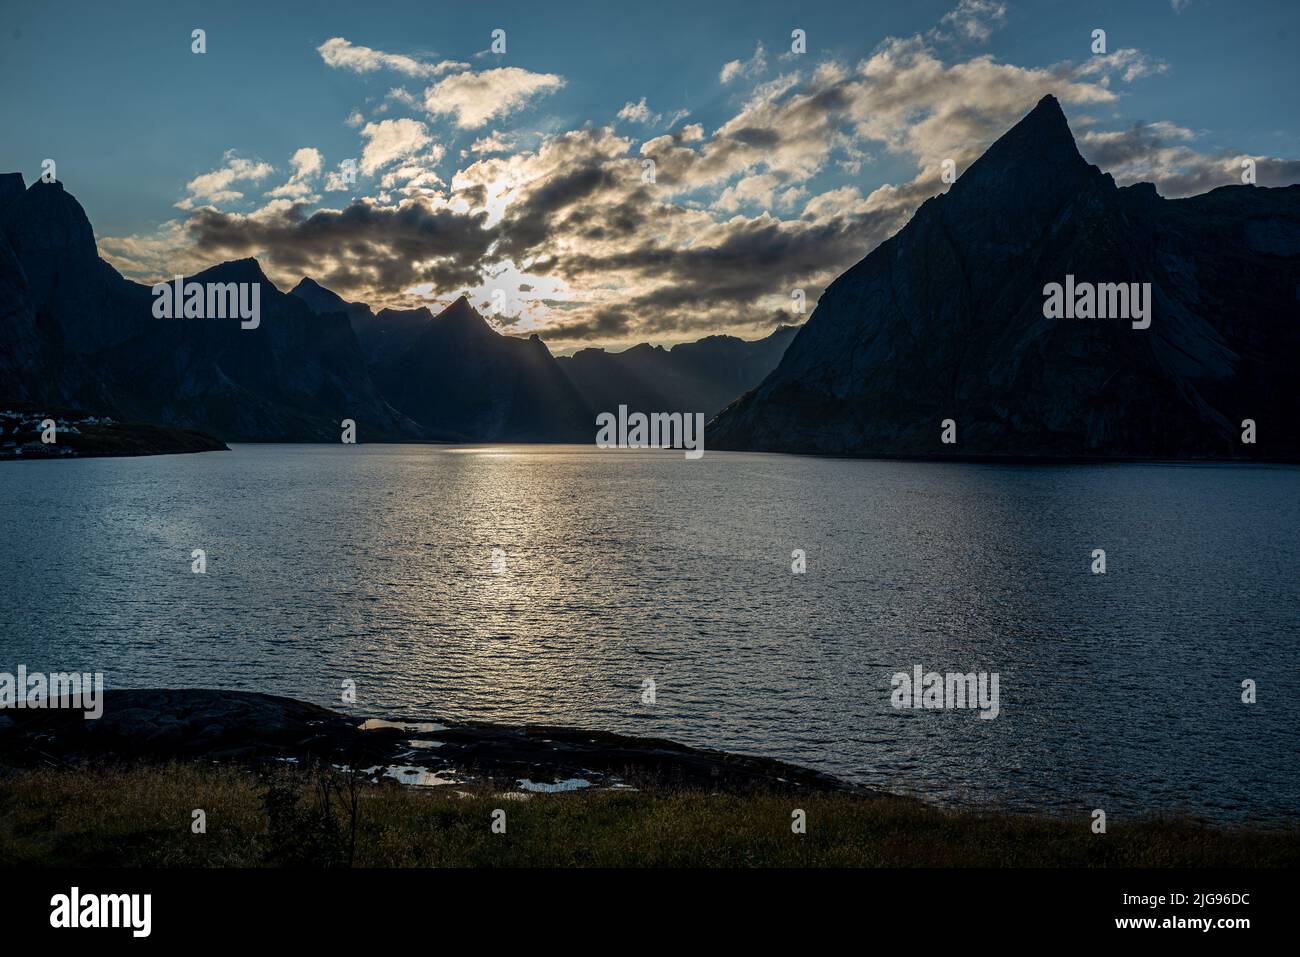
(619,172)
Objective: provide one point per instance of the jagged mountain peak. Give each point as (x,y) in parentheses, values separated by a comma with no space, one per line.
(236,270)
(321,300)
(1038,155)
(46,216)
(307,284)
(461,316)
(946,321)
(1042,133)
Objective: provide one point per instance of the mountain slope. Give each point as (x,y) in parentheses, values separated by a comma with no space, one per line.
(698,376)
(466,381)
(97,345)
(945,321)
(382,337)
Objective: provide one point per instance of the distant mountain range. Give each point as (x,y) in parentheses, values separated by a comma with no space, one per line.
(938,343)
(78,334)
(946,321)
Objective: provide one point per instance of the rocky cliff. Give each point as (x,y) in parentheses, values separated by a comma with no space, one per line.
(946,320)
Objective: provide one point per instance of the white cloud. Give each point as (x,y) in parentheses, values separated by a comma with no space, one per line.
(342,54)
(641,113)
(1130,64)
(476,97)
(637,112)
(752,67)
(307,164)
(391,140)
(972,20)
(215,187)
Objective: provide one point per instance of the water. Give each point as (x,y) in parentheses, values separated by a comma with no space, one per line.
(375,563)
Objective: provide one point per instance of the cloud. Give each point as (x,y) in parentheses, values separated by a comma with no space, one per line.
(494,142)
(476,97)
(307,164)
(736,217)
(1158,153)
(736,69)
(391,140)
(342,54)
(364,250)
(637,112)
(1130,64)
(971,20)
(641,113)
(215,187)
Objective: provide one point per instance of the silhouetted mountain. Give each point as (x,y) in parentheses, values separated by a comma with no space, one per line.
(22,359)
(53,287)
(945,320)
(293,378)
(321,300)
(468,382)
(98,345)
(698,376)
(382,337)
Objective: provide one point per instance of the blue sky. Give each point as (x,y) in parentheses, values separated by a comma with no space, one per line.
(133,118)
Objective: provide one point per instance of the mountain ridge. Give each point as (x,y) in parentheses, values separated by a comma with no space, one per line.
(945,320)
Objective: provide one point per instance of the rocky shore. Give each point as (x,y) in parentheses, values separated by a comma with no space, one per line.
(247,728)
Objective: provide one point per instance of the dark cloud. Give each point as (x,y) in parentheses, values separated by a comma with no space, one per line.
(360,247)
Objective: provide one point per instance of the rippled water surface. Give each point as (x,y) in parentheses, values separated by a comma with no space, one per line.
(375,563)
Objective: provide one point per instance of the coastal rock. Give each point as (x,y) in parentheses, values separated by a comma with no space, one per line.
(252,728)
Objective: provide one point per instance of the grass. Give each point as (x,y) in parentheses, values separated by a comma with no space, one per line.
(142,817)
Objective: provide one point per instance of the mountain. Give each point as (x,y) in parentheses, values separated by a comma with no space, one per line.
(945,320)
(77,333)
(22,360)
(293,378)
(508,391)
(698,376)
(382,337)
(470,383)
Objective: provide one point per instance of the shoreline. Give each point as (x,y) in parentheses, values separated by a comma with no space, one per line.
(201,778)
(252,729)
(37,454)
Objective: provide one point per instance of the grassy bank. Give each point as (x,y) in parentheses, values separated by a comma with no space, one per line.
(142,817)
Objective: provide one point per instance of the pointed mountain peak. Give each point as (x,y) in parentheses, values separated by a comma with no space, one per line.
(237,270)
(1037,156)
(307,284)
(1048,109)
(461,315)
(1042,135)
(461,307)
